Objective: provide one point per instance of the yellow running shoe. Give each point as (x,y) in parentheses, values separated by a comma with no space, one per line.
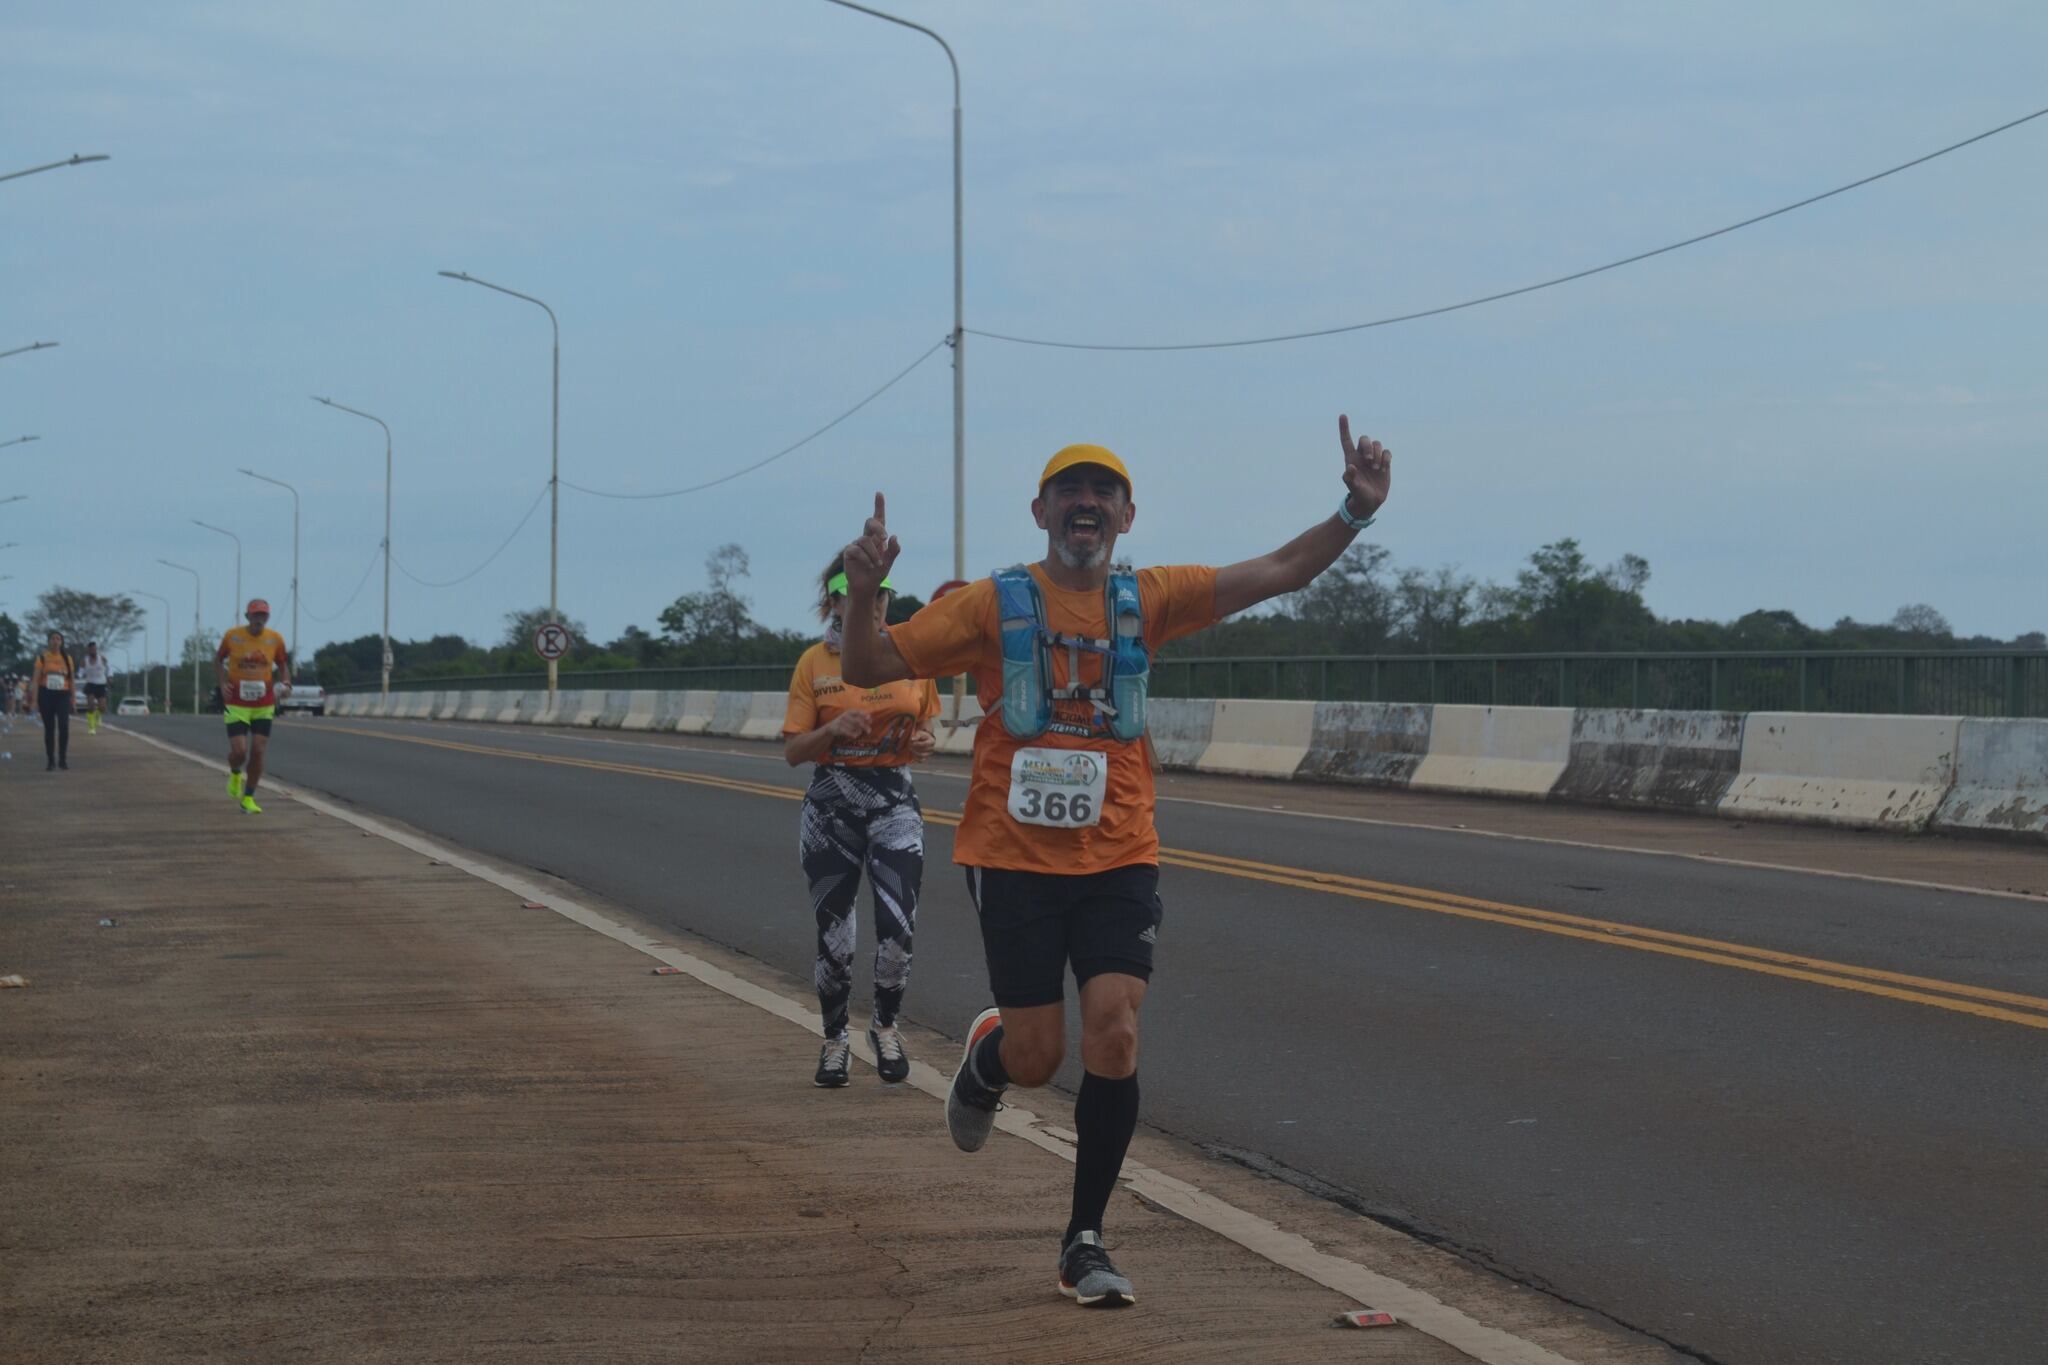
(249,805)
(235,785)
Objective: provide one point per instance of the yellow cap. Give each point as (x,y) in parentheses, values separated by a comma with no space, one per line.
(1084,454)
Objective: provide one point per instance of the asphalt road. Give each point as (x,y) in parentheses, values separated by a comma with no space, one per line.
(1821,1136)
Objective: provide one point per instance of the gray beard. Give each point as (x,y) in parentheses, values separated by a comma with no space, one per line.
(1076,560)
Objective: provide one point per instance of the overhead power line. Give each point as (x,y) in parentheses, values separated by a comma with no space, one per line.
(1524,289)
(323,620)
(771,459)
(488,559)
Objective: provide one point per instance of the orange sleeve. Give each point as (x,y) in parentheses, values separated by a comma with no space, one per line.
(223,651)
(802,715)
(950,635)
(1178,600)
(928,706)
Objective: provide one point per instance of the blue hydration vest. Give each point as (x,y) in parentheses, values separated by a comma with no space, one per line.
(1028,693)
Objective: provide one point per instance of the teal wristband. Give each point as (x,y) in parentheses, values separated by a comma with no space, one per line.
(1344,514)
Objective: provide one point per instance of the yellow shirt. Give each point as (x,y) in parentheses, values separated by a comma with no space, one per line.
(53,670)
(961,632)
(817,695)
(248,662)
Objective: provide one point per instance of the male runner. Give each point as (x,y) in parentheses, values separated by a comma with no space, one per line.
(1057,837)
(92,671)
(253,669)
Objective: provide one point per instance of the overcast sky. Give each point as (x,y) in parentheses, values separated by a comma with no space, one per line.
(741,214)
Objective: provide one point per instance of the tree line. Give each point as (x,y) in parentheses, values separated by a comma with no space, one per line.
(1366,604)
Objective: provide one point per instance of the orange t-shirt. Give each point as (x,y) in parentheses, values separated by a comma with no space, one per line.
(961,633)
(818,695)
(247,660)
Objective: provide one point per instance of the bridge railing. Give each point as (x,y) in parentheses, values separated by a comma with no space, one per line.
(1916,682)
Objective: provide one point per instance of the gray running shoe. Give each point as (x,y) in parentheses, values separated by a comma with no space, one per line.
(832,1063)
(1087,1277)
(970,1105)
(892,1063)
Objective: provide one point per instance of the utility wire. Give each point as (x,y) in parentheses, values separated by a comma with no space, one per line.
(786,450)
(1527,288)
(502,546)
(323,620)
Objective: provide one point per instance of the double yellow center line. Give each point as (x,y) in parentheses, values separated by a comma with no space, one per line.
(1985,1003)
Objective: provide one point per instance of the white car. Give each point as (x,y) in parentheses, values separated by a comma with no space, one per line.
(305,696)
(132,706)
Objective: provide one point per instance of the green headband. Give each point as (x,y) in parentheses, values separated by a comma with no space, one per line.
(835,586)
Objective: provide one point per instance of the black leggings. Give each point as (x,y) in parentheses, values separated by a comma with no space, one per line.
(56,709)
(857,819)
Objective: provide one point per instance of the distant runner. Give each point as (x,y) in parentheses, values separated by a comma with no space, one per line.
(861,812)
(1057,837)
(52,681)
(92,671)
(253,669)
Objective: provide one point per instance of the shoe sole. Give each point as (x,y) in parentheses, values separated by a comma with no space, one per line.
(1113,1299)
(976,1031)
(836,1083)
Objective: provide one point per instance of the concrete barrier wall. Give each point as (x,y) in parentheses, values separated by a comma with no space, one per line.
(1670,760)
(1496,750)
(698,709)
(1261,738)
(1181,729)
(1879,772)
(764,714)
(1868,772)
(2001,780)
(1374,744)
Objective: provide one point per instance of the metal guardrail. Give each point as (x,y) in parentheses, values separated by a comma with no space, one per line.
(1915,682)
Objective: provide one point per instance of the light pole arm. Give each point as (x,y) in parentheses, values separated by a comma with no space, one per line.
(849,4)
(24,350)
(73,160)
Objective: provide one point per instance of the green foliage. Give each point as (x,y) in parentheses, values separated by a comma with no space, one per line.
(13,653)
(84,616)
(1560,603)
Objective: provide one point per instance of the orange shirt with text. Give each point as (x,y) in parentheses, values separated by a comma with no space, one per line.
(817,695)
(247,661)
(960,633)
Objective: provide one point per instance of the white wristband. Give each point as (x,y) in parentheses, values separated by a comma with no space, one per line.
(1344,514)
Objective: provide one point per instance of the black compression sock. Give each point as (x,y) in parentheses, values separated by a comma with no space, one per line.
(1105,1116)
(988,1061)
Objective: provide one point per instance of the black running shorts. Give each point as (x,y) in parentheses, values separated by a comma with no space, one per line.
(1034,923)
(98,690)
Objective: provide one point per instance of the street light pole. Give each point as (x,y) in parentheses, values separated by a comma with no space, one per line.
(295,546)
(959,329)
(554,452)
(236,613)
(386,661)
(24,350)
(139,592)
(198,633)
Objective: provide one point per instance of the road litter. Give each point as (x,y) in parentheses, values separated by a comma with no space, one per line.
(666,971)
(9,982)
(106,924)
(1365,1317)
(531,905)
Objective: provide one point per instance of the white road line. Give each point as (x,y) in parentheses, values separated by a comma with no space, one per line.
(1710,859)
(1417,1308)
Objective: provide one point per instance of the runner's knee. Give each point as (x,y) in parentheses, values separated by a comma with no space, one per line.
(1033,1048)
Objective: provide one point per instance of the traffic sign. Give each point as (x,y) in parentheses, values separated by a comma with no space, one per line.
(552,641)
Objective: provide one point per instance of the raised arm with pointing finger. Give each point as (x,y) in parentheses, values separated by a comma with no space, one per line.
(868,658)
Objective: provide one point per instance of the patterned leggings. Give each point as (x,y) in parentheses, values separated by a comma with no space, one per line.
(855,818)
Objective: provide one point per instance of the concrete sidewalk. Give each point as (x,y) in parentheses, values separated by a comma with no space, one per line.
(314,1097)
